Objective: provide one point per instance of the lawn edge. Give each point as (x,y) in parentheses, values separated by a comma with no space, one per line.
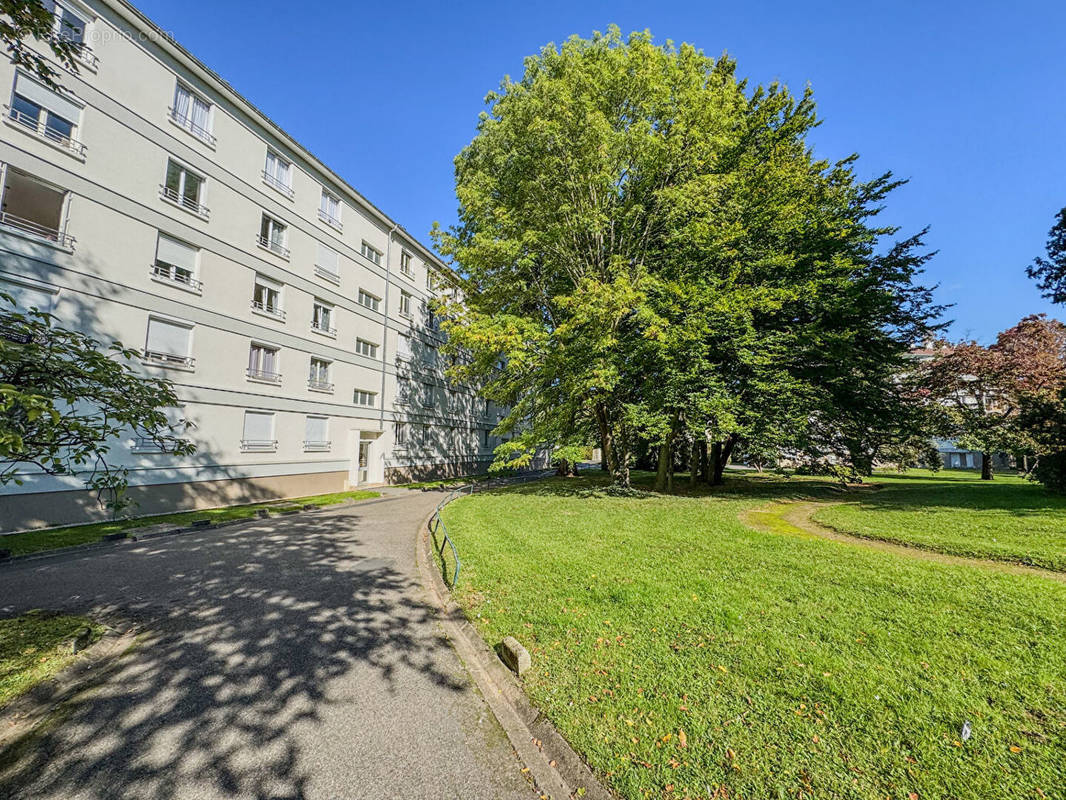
(557,769)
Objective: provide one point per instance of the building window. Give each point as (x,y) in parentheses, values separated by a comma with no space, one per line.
(322,318)
(329,210)
(328,264)
(488,434)
(365,399)
(405,264)
(176,425)
(264,363)
(27,296)
(319,377)
(403,347)
(169,343)
(266,297)
(32,206)
(184,187)
(46,113)
(316,434)
(278,173)
(403,391)
(400,434)
(274,235)
(192,113)
(365,348)
(175,262)
(431,280)
(428,391)
(405,304)
(370,301)
(371,253)
(259,432)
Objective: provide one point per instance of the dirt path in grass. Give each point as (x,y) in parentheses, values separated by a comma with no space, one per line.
(793,517)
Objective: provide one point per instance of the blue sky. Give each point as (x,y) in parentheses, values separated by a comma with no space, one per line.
(966,99)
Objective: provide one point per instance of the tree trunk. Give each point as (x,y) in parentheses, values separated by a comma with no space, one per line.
(603,455)
(986,466)
(705,475)
(664,474)
(720,453)
(694,464)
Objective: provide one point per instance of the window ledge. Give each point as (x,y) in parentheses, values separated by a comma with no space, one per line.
(326,275)
(336,224)
(205,139)
(268,314)
(329,334)
(175,365)
(268,381)
(200,212)
(65,244)
(320,389)
(280,252)
(75,150)
(317,447)
(196,290)
(285,191)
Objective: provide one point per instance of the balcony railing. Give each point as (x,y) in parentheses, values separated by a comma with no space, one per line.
(317,447)
(39,128)
(264,375)
(266,308)
(169,359)
(273,246)
(329,275)
(195,206)
(186,122)
(87,57)
(259,445)
(36,229)
(284,188)
(322,327)
(330,220)
(146,444)
(165,272)
(319,386)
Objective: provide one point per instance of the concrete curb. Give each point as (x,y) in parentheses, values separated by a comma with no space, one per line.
(557,770)
(112,541)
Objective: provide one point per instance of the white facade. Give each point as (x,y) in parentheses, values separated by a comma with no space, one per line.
(153,205)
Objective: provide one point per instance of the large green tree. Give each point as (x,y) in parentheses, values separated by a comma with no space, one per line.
(1050,272)
(652,250)
(66,399)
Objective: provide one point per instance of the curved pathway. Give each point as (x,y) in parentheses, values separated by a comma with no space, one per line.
(799,515)
(295,657)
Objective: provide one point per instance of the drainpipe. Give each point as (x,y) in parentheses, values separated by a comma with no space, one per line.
(385,329)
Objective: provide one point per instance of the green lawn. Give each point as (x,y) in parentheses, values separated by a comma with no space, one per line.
(35,541)
(1007,519)
(30,649)
(794,666)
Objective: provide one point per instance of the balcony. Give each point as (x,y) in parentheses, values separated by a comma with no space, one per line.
(277,185)
(37,230)
(263,375)
(332,221)
(319,386)
(169,360)
(273,246)
(321,327)
(146,444)
(259,445)
(317,447)
(37,128)
(171,195)
(169,274)
(87,57)
(269,310)
(186,124)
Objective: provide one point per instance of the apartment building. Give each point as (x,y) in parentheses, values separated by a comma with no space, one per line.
(149,203)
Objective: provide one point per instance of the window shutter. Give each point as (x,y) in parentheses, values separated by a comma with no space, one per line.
(317,429)
(403,349)
(168,337)
(258,426)
(46,98)
(171,251)
(328,259)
